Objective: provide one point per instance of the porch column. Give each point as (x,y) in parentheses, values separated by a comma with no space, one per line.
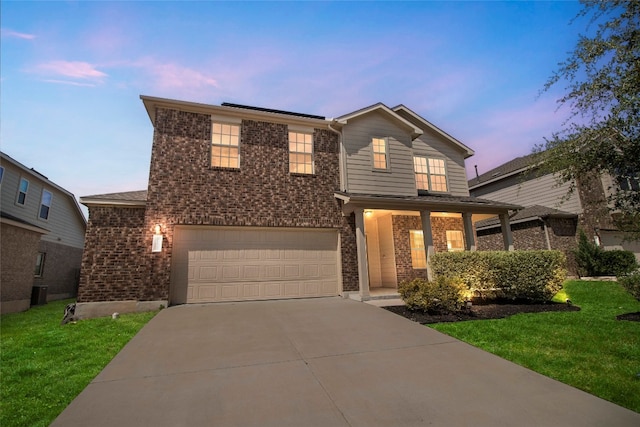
(469,235)
(506,232)
(425,217)
(361,245)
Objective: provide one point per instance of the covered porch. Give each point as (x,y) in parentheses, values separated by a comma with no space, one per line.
(397,235)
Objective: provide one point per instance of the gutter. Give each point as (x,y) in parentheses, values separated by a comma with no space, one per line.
(342,156)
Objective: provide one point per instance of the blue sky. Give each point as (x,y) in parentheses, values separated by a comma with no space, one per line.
(72,72)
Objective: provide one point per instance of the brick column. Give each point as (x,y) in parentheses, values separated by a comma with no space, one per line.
(427,234)
(363,265)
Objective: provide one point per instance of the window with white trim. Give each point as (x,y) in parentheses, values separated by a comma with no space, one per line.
(45,204)
(225,145)
(300,152)
(455,241)
(380,149)
(39,264)
(22,192)
(418,254)
(431,174)
(1,173)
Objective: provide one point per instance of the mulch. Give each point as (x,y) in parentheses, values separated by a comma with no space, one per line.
(633,317)
(481,312)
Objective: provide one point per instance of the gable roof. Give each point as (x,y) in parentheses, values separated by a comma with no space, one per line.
(527,214)
(34,173)
(509,168)
(380,107)
(468,152)
(127,198)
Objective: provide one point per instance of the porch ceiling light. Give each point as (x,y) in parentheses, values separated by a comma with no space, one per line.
(368,213)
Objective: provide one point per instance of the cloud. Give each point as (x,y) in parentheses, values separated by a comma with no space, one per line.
(168,75)
(66,82)
(72,69)
(16,34)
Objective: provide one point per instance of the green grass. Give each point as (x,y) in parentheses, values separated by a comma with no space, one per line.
(588,349)
(45,365)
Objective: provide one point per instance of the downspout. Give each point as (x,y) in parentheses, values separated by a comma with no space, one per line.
(342,159)
(546,233)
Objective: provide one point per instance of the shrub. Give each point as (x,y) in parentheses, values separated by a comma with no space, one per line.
(528,275)
(442,295)
(587,256)
(631,282)
(592,260)
(617,262)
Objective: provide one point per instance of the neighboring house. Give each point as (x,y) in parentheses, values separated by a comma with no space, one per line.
(550,219)
(42,237)
(247,203)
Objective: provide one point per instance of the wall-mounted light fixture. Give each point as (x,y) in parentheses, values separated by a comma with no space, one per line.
(368,213)
(156,245)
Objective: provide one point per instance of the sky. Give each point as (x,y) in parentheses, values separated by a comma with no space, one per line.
(72,72)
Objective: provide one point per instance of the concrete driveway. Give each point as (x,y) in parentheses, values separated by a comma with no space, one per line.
(319,362)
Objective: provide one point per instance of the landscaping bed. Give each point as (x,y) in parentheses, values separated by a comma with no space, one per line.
(482,311)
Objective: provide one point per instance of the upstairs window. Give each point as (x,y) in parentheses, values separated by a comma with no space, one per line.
(455,241)
(418,255)
(380,153)
(629,182)
(300,153)
(1,173)
(431,174)
(22,192)
(225,146)
(45,204)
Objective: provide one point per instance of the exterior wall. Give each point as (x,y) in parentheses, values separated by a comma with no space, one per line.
(185,190)
(65,224)
(349,254)
(19,250)
(531,191)
(361,178)
(401,226)
(113,263)
(594,200)
(530,235)
(61,271)
(431,145)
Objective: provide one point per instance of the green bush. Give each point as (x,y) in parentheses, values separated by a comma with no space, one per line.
(617,262)
(631,282)
(442,295)
(528,275)
(592,260)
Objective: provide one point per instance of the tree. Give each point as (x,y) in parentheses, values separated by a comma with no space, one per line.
(602,134)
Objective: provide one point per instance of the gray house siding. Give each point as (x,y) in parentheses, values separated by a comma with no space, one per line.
(534,191)
(431,145)
(361,176)
(62,244)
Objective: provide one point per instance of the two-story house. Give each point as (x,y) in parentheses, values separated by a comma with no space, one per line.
(42,234)
(552,214)
(247,203)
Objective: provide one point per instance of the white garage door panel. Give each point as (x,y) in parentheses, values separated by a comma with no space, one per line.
(234,264)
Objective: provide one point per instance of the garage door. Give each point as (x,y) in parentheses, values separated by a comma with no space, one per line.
(212,264)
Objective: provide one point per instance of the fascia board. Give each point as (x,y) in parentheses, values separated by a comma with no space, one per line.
(415,131)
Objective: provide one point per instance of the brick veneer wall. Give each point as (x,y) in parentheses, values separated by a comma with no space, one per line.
(19,250)
(595,213)
(185,189)
(61,270)
(113,262)
(349,254)
(402,243)
(530,236)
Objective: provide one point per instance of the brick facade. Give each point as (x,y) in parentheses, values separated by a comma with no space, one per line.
(595,211)
(113,262)
(61,273)
(185,190)
(402,224)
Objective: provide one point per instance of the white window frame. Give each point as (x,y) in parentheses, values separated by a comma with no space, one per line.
(298,149)
(42,204)
(39,267)
(26,192)
(418,252)
(452,236)
(386,167)
(223,138)
(430,175)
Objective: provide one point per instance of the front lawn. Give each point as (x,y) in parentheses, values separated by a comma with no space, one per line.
(588,349)
(44,365)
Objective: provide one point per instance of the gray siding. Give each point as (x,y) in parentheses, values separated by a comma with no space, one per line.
(537,191)
(361,178)
(430,144)
(64,224)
